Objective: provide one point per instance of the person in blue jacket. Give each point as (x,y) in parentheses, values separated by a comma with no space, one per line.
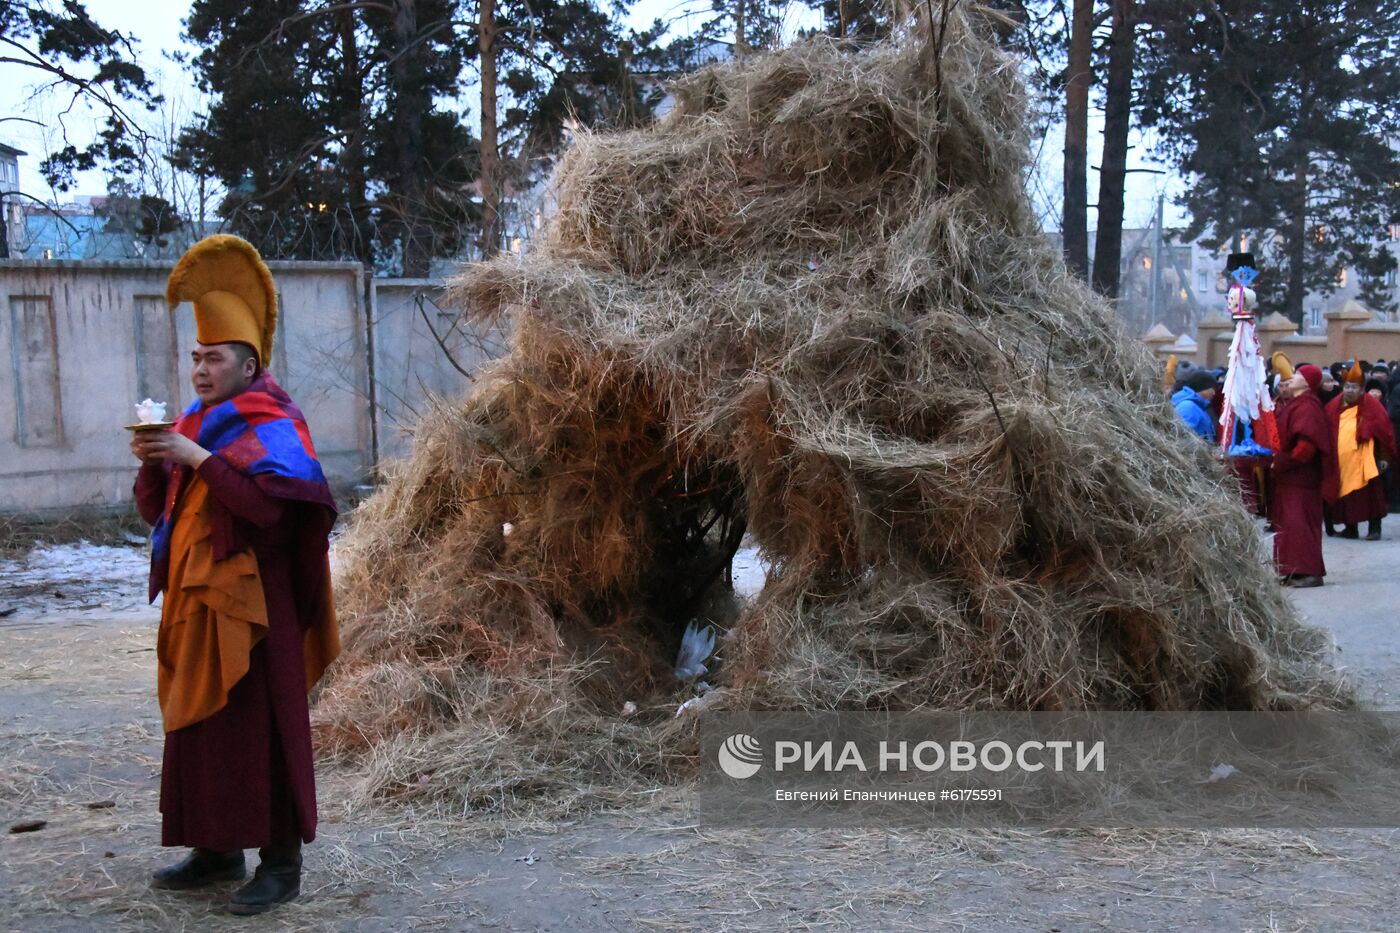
(1192,401)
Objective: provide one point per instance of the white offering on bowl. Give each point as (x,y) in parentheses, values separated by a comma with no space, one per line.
(151,417)
(150,412)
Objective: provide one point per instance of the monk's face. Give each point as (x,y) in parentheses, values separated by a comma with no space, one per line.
(1351,391)
(218,372)
(1294,387)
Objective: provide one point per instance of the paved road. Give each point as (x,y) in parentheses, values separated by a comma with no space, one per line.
(1360,605)
(79,724)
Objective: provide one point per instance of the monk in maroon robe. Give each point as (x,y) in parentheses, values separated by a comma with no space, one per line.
(1302,462)
(1365,445)
(242,513)
(242,777)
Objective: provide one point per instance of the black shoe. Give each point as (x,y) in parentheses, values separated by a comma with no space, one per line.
(1331,531)
(1305,582)
(1373,531)
(1350,532)
(201,867)
(272,884)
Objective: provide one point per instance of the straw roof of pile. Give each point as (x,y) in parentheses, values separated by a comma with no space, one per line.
(813,299)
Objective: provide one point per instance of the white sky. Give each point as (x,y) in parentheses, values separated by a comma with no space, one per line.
(158,24)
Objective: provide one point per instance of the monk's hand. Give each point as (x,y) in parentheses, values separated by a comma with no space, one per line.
(142,450)
(172,446)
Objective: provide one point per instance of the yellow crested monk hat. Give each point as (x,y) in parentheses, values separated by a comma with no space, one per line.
(1283,365)
(235,300)
(1355,374)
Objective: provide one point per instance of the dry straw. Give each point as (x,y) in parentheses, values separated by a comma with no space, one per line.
(812,303)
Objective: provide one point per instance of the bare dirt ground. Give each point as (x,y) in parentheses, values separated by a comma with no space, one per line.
(79,725)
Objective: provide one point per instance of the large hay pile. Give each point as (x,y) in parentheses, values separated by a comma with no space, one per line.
(811,302)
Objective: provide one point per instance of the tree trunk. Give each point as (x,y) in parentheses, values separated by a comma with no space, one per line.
(1075,222)
(629,113)
(352,133)
(1118,100)
(1298,242)
(741,44)
(490,215)
(411,104)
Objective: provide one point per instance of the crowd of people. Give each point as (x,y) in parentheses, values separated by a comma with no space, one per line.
(1333,466)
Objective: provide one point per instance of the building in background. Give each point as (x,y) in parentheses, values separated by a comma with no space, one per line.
(102,227)
(68,231)
(11,200)
(1176,284)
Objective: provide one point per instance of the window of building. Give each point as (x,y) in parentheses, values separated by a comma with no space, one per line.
(1200,281)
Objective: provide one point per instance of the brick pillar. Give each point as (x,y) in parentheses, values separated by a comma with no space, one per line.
(1212,350)
(1270,330)
(1339,322)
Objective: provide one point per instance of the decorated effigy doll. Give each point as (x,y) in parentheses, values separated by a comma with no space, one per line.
(1247,416)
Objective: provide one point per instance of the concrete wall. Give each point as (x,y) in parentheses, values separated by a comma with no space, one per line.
(82,342)
(411,327)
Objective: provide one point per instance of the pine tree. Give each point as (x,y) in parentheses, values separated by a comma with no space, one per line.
(147,219)
(546,65)
(1079,77)
(328,130)
(269,136)
(1283,116)
(1117,122)
(421,150)
(69,52)
(66,49)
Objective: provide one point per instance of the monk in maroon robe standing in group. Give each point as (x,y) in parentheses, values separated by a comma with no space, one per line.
(1365,445)
(241,512)
(1302,464)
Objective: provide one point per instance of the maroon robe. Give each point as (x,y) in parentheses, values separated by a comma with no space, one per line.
(1303,461)
(243,778)
(1372,424)
(1361,506)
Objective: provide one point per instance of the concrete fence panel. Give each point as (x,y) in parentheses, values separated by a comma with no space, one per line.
(423,351)
(82,342)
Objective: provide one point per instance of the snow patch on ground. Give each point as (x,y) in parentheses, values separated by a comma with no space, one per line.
(75,579)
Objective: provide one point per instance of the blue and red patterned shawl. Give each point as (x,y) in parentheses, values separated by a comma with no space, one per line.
(262,434)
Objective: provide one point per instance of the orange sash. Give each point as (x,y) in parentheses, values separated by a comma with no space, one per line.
(1356,462)
(213,615)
